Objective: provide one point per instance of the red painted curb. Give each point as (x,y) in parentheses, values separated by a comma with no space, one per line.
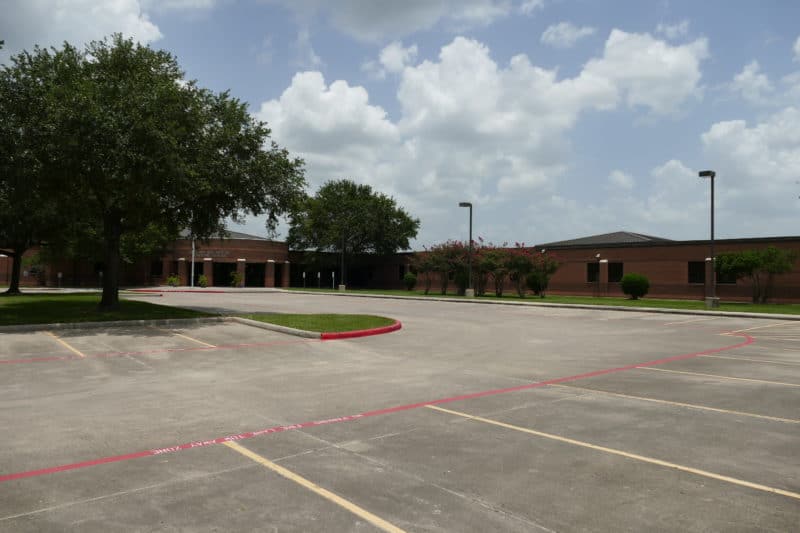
(178,290)
(360,332)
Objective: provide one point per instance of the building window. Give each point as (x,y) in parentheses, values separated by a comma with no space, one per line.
(697,271)
(614,272)
(157,268)
(402,271)
(592,272)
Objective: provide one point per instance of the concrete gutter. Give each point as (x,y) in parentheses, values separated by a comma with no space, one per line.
(532,303)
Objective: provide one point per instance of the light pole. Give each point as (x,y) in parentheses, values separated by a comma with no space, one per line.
(470,291)
(712,300)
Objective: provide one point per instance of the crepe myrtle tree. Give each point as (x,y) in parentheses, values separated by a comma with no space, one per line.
(349,218)
(130,144)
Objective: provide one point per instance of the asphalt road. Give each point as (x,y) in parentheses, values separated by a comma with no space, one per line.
(471,418)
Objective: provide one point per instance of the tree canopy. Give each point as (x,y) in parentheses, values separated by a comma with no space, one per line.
(132,151)
(760,266)
(349,218)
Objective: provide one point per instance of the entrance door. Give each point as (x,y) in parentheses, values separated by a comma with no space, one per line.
(254,274)
(222,274)
(278,275)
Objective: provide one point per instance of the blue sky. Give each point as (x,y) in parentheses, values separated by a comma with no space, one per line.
(555,118)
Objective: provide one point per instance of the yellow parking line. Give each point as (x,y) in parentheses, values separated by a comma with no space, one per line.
(682,404)
(767,326)
(691,321)
(771,361)
(636,457)
(360,512)
(717,376)
(187,337)
(65,344)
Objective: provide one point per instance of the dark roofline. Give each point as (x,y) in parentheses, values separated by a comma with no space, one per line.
(744,240)
(231,235)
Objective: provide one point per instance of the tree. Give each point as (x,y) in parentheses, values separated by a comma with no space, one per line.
(27,213)
(758,265)
(136,151)
(349,218)
(543,266)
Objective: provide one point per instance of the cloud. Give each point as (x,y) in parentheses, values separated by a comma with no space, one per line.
(392,59)
(178,5)
(565,34)
(673,31)
(383,20)
(651,73)
(757,168)
(304,54)
(621,179)
(752,84)
(529,7)
(796,49)
(495,134)
(26,23)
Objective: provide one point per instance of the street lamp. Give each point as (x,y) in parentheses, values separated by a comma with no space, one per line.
(470,291)
(711,301)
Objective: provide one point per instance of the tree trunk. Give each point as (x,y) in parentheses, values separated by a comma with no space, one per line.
(16,267)
(112,229)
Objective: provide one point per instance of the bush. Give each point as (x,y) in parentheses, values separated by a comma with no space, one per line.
(173,281)
(410,281)
(202,281)
(538,281)
(236,279)
(635,285)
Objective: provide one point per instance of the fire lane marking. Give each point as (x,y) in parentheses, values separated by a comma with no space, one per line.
(628,455)
(770,361)
(681,404)
(718,376)
(360,512)
(65,344)
(776,324)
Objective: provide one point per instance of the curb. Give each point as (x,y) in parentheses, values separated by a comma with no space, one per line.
(325,336)
(666,311)
(167,322)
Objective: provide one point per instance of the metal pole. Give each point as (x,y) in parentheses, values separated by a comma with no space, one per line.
(469,270)
(713,258)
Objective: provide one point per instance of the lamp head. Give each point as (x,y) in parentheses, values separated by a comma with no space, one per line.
(464,204)
(706,173)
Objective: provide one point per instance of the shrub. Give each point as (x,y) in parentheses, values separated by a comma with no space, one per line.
(409,280)
(236,279)
(173,281)
(202,281)
(537,281)
(635,285)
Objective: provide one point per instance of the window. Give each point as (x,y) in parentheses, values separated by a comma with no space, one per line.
(592,272)
(402,271)
(157,268)
(697,271)
(614,272)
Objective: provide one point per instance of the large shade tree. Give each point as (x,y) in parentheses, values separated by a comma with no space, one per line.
(349,218)
(135,150)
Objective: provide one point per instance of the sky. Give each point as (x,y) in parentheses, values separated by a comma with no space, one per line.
(556,119)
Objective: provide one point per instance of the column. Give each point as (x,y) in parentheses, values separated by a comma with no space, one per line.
(184,280)
(240,268)
(269,275)
(208,270)
(709,278)
(285,277)
(603,277)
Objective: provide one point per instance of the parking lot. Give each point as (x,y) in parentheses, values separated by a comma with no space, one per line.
(470,418)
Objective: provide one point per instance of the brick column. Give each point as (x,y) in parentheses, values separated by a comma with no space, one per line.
(603,277)
(208,270)
(269,275)
(182,271)
(240,265)
(710,278)
(285,277)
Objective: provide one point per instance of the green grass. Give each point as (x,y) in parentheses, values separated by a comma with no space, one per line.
(743,307)
(324,323)
(62,308)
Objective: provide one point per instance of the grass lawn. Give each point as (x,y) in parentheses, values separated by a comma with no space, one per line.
(324,323)
(789,309)
(53,308)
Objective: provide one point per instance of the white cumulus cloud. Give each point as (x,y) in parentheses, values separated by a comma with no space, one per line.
(25,23)
(392,59)
(796,49)
(673,31)
(565,34)
(752,84)
(529,7)
(621,179)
